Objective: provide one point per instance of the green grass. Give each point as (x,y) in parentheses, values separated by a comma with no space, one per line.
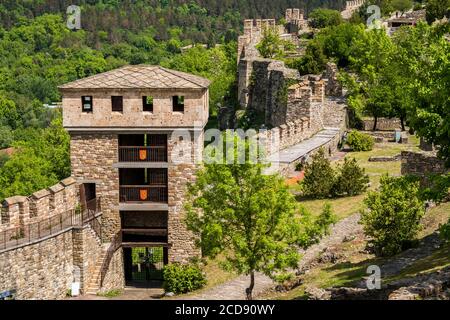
(215,275)
(111,293)
(342,207)
(346,206)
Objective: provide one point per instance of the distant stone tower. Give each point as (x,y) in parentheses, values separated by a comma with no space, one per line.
(136,138)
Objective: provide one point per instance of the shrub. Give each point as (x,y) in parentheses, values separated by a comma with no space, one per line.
(352,179)
(321,18)
(183,278)
(319,177)
(445,231)
(392,215)
(359,141)
(314,229)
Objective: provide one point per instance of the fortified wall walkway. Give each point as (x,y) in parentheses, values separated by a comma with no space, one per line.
(301,150)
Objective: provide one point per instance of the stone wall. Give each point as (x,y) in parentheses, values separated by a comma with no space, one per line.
(287,169)
(87,249)
(383,124)
(350,7)
(115,276)
(196,109)
(422,164)
(92,157)
(45,267)
(42,271)
(20,211)
(181,172)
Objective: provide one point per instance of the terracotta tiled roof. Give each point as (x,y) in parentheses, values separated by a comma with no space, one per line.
(139,76)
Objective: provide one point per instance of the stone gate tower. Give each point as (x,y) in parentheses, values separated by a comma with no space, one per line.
(136,138)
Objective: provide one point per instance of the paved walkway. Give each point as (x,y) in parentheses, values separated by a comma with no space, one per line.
(303,148)
(128,294)
(235,289)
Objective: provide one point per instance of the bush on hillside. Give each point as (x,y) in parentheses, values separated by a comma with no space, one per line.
(322,181)
(444,231)
(351,179)
(314,229)
(319,177)
(359,141)
(392,215)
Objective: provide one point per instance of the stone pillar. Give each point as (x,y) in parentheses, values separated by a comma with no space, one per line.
(181,171)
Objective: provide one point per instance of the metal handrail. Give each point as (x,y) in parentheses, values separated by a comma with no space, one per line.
(30,233)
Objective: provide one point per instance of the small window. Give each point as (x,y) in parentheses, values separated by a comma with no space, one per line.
(86,104)
(178,104)
(147,103)
(117,103)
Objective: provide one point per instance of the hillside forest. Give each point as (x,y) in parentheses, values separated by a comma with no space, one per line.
(38,52)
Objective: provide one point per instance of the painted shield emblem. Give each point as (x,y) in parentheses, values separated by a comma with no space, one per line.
(142,154)
(143,194)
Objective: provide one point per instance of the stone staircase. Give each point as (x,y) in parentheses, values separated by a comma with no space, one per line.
(94,284)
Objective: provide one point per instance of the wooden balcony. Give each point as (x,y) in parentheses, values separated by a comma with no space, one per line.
(143,193)
(142,154)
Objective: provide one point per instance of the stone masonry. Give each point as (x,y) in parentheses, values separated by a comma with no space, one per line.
(45,267)
(92,156)
(293,107)
(422,164)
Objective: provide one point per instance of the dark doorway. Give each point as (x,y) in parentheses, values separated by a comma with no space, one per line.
(88,195)
(144,266)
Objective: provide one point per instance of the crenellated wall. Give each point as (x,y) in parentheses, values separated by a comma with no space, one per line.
(350,7)
(19,211)
(44,247)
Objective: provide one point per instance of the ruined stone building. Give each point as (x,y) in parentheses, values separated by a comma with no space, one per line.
(294,108)
(136,138)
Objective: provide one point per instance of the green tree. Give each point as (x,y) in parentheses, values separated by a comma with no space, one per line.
(392,215)
(437,9)
(9,115)
(402,5)
(6,137)
(372,56)
(271,45)
(319,177)
(25,173)
(313,229)
(351,179)
(424,58)
(321,18)
(236,210)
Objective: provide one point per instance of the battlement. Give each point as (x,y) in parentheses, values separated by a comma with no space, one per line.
(350,7)
(354,4)
(19,211)
(255,26)
(288,134)
(294,15)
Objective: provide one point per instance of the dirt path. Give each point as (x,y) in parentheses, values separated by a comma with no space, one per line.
(235,289)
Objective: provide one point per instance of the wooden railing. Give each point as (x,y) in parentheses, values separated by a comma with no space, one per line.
(84,215)
(143,154)
(144,193)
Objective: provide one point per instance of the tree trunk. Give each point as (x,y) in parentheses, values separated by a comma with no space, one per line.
(375,123)
(402,120)
(249,290)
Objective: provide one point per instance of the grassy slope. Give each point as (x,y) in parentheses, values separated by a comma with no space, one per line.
(353,270)
(343,207)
